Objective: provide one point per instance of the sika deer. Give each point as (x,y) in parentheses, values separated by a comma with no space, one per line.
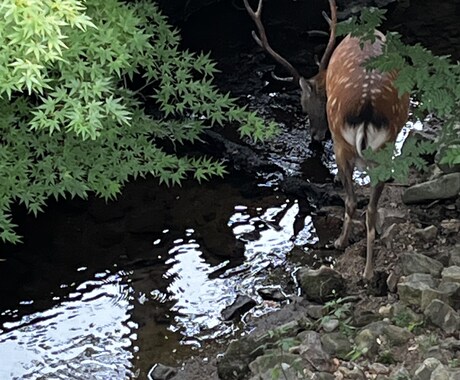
(361,107)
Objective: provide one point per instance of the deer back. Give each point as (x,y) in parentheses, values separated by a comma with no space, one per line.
(363,106)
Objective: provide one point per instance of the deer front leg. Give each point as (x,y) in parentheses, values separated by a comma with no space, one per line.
(346,167)
(371,216)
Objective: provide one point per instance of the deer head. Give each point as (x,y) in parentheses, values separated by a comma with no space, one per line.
(313,90)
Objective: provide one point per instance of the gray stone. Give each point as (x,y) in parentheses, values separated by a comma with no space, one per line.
(312,350)
(330,325)
(315,311)
(430,294)
(424,370)
(454,258)
(389,234)
(320,285)
(323,376)
(400,372)
(403,315)
(397,336)
(410,287)
(427,234)
(443,316)
(443,373)
(352,374)
(388,216)
(336,344)
(445,187)
(366,339)
(264,365)
(418,263)
(450,226)
(379,369)
(451,274)
(452,290)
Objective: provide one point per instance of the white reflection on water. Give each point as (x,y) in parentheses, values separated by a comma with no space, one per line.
(201,297)
(84,338)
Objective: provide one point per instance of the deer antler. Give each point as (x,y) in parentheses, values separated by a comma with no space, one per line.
(332,21)
(262,40)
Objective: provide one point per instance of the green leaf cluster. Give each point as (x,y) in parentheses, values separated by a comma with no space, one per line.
(73,122)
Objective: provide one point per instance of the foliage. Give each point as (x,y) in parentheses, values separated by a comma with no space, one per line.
(73,123)
(433,80)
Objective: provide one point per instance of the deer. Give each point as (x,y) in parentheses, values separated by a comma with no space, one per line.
(360,107)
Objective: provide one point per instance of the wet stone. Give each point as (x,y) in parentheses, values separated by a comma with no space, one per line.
(265,364)
(272,294)
(162,372)
(241,305)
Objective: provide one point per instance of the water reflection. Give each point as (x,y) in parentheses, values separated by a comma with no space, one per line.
(116,325)
(85,337)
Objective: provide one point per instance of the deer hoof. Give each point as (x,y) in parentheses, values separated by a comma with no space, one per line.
(368,274)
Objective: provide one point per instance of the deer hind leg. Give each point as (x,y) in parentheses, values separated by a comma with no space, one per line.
(346,166)
(371,215)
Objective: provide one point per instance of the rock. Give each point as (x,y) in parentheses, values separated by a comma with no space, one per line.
(410,287)
(366,339)
(330,324)
(403,316)
(312,350)
(161,372)
(454,257)
(400,372)
(444,187)
(417,263)
(427,234)
(388,216)
(424,370)
(451,274)
(351,374)
(315,311)
(441,372)
(379,369)
(443,316)
(388,236)
(240,306)
(397,336)
(336,344)
(272,293)
(450,226)
(429,295)
(437,352)
(263,366)
(392,281)
(452,290)
(323,376)
(320,285)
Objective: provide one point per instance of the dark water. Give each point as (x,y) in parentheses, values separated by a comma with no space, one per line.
(76,304)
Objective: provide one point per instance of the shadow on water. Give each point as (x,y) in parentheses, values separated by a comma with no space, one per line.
(105,291)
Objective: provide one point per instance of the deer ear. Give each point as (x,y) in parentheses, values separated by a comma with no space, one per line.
(306,86)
